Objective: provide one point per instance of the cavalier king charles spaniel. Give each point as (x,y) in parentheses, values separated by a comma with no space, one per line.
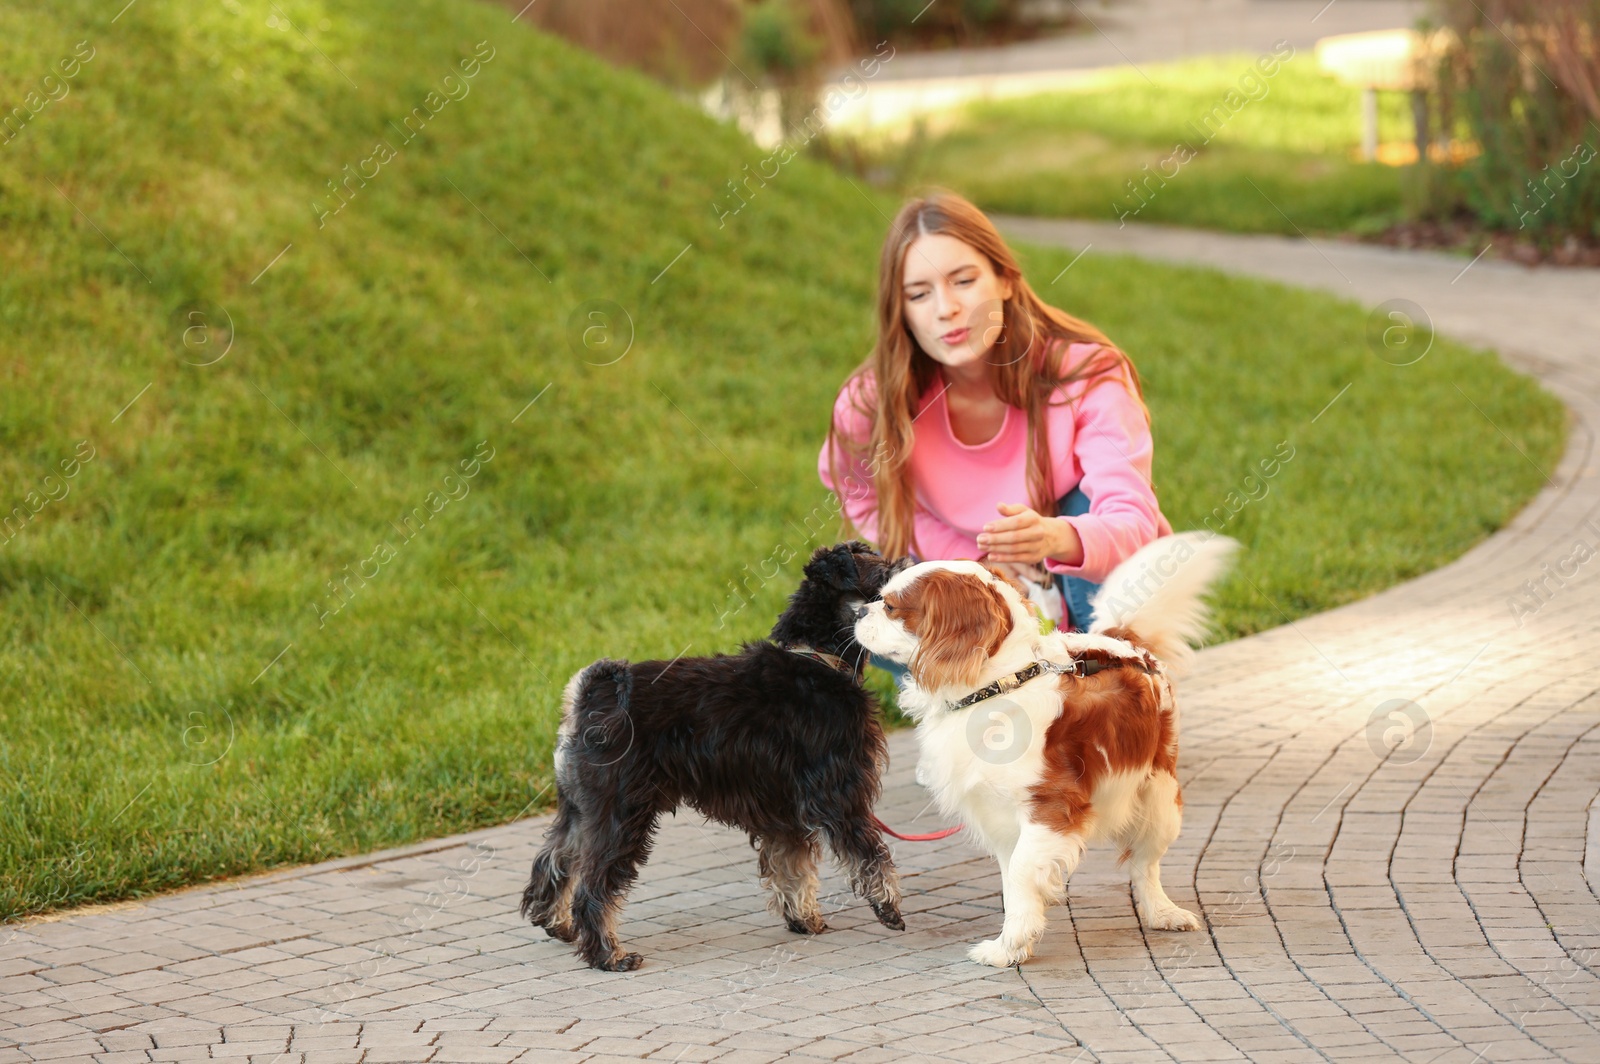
(1042,744)
(780,740)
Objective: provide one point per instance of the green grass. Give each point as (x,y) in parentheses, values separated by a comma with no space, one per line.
(1278,162)
(174,706)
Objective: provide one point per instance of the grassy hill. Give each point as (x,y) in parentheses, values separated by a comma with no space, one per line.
(279,282)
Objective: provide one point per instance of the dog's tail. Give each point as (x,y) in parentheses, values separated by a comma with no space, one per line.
(591,705)
(594,711)
(1158,594)
(577,699)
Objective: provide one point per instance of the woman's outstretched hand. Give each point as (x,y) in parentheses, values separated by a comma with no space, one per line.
(1022,535)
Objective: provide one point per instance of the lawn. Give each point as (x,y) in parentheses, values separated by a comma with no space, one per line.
(1274,155)
(324,495)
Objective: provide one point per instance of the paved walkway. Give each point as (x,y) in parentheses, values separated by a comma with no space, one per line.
(1391,834)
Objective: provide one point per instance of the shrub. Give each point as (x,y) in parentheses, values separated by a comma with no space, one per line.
(1521,79)
(776,41)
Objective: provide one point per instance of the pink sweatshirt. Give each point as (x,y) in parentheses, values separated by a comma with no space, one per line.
(1099,443)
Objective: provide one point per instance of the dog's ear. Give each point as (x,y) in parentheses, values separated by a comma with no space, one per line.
(961,622)
(835,567)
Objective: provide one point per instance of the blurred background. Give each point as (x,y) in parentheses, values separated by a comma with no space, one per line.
(1464,107)
(367,368)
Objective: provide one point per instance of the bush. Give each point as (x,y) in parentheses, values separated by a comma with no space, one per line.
(777,42)
(1518,78)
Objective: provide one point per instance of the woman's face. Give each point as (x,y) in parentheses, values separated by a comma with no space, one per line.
(952,299)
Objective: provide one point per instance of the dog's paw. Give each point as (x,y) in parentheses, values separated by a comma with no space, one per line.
(812,926)
(890,918)
(564,932)
(1174,919)
(997,954)
(620,962)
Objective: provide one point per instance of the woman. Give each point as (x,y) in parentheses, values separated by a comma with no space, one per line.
(986,424)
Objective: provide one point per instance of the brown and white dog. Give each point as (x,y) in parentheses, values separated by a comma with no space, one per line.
(1042,744)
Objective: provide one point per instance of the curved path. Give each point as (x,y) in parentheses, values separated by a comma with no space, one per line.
(1391,832)
(1119,33)
(1125,32)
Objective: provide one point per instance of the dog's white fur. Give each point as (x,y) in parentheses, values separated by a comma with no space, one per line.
(1157,594)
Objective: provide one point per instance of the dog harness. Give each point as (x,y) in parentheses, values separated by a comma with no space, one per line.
(1080,667)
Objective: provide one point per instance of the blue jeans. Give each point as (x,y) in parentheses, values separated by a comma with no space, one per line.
(1075,591)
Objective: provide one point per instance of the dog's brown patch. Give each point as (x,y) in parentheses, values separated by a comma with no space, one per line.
(1110,722)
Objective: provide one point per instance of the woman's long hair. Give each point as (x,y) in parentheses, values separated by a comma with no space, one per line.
(1026,358)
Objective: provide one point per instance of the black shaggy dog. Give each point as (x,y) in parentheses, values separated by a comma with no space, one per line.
(780,740)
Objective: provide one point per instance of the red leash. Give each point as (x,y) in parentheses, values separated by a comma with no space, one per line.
(932,836)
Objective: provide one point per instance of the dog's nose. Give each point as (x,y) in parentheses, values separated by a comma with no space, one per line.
(861,611)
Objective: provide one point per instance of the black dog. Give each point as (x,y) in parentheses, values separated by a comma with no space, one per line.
(780,740)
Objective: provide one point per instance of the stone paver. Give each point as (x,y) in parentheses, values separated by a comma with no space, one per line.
(1435,901)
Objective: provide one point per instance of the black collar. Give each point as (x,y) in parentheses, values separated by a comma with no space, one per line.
(1075,667)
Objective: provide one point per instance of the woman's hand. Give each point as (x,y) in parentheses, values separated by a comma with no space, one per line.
(1022,535)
